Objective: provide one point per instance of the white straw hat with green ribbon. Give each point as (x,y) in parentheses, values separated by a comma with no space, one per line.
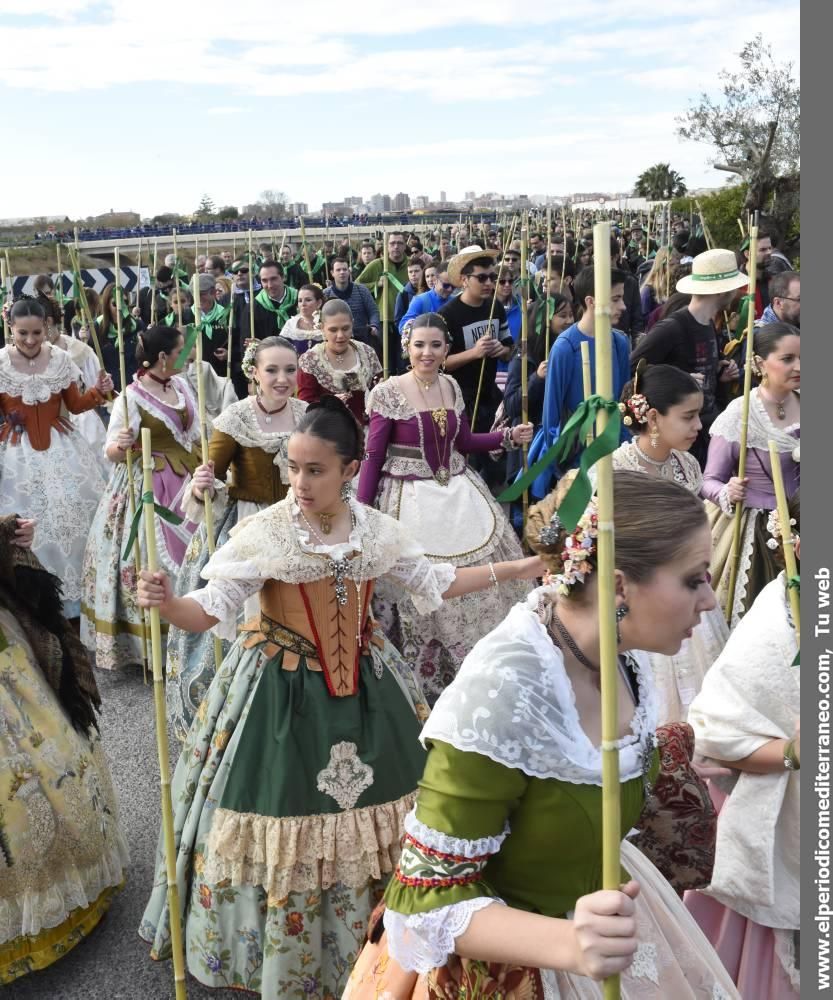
(712,273)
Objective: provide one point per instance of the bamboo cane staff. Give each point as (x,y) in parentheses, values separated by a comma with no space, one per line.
(524,372)
(138,272)
(59,280)
(208,506)
(3,276)
(128,458)
(606,564)
(162,729)
(563,253)
(251,290)
(787,537)
(524,279)
(153,292)
(742,230)
(549,278)
(586,378)
(85,305)
(385,310)
(305,248)
(744,424)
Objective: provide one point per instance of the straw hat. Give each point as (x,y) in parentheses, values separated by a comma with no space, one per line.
(712,273)
(466,256)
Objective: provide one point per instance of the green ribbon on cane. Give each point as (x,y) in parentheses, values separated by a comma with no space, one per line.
(794,583)
(397,284)
(574,433)
(208,321)
(163,512)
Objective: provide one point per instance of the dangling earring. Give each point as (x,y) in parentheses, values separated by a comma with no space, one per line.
(346,492)
(621,614)
(765,378)
(654,437)
(164,365)
(258,390)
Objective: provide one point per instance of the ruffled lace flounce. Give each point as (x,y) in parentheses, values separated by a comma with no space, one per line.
(300,853)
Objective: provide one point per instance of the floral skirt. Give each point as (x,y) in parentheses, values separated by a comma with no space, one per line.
(756,564)
(459,524)
(112,625)
(191,663)
(289,807)
(673,959)
(62,854)
(59,487)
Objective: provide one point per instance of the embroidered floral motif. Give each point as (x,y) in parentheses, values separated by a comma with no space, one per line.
(366,371)
(346,776)
(429,868)
(645,963)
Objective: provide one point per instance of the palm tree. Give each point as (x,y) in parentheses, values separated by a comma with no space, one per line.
(660,183)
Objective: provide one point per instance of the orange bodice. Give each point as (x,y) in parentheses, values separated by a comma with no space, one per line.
(37,420)
(306,619)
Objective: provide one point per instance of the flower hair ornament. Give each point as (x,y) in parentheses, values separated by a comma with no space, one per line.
(773,527)
(635,410)
(578,555)
(247,365)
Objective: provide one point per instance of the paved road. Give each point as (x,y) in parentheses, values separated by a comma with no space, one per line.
(113,963)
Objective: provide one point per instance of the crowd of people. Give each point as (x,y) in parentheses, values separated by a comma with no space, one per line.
(384,679)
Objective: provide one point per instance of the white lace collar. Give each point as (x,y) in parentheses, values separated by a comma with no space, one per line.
(513,702)
(239,421)
(340,550)
(184,401)
(33,388)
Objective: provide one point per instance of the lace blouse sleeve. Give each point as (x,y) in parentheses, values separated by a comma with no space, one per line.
(231,582)
(424,581)
(459,823)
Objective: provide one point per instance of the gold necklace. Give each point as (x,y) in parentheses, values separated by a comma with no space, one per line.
(442,475)
(779,406)
(438,414)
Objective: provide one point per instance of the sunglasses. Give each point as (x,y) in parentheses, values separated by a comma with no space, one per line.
(506,281)
(483,278)
(445,285)
(242,270)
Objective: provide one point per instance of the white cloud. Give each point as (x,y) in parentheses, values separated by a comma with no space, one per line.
(229,110)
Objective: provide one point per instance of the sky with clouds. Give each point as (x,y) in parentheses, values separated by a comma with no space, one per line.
(147,105)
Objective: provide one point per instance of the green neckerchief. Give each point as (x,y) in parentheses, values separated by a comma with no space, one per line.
(281,311)
(216,316)
(113,331)
(316,263)
(574,434)
(163,512)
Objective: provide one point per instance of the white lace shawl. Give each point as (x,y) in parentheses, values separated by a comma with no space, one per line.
(138,400)
(271,545)
(749,696)
(761,429)
(240,422)
(388,400)
(627,457)
(512,702)
(33,388)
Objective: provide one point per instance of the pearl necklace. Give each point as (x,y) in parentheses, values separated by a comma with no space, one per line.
(677,473)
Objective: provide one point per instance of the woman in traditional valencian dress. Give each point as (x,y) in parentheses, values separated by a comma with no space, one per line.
(111,623)
(497,891)
(304,329)
(249,443)
(661,407)
(746,718)
(47,470)
(774,415)
(340,366)
(62,854)
(415,470)
(302,761)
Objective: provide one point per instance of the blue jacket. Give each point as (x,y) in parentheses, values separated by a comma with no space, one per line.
(513,318)
(565,391)
(426,302)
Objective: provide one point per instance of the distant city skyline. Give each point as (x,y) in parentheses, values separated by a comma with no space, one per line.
(303,99)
